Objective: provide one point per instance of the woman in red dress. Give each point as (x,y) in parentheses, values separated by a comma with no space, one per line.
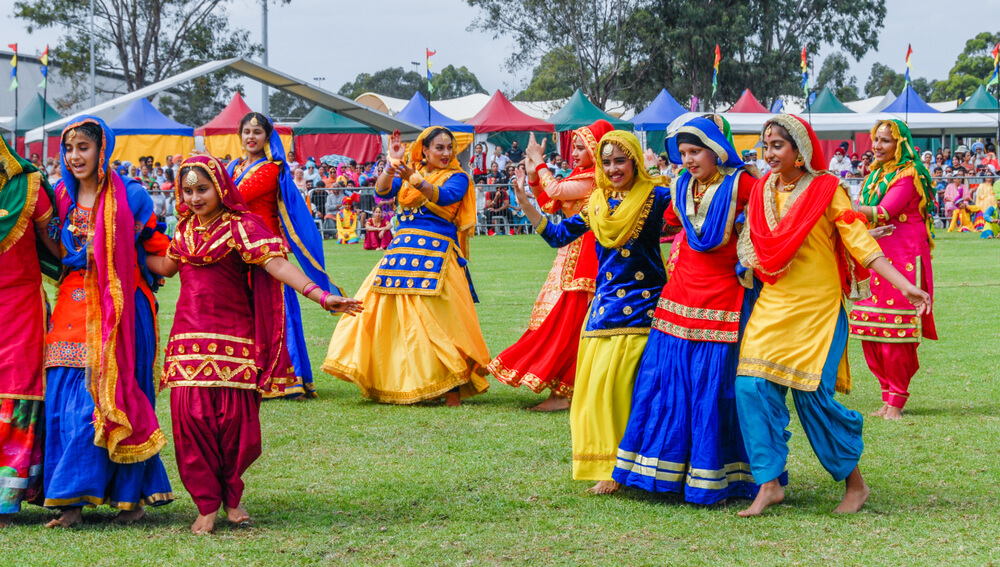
(545,356)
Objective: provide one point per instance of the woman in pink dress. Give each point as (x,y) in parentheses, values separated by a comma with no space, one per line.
(378,233)
(226,345)
(898,192)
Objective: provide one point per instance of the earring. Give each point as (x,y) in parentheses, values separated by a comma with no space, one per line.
(799,161)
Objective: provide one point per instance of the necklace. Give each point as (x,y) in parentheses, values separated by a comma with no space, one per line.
(787,187)
(202,227)
(701,188)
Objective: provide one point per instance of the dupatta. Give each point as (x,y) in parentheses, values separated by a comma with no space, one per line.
(124,420)
(20,182)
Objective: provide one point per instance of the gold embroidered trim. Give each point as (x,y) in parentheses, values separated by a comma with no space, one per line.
(703,314)
(614,332)
(211,336)
(871,258)
(593,457)
(712,335)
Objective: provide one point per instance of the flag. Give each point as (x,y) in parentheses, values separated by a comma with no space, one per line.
(909,52)
(694,104)
(996,66)
(777,106)
(430,86)
(805,72)
(13,71)
(715,73)
(45,67)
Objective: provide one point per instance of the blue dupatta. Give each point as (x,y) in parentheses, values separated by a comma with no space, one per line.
(712,225)
(300,230)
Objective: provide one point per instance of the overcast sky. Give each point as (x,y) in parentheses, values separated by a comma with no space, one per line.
(337,39)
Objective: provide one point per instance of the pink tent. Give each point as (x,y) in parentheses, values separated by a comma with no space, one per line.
(499,115)
(748,103)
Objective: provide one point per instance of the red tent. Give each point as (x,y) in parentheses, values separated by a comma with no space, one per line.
(499,115)
(222,132)
(748,103)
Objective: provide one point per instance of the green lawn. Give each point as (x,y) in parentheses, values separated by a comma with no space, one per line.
(346,481)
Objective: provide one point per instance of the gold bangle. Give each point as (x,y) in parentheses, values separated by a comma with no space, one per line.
(416,180)
(307,284)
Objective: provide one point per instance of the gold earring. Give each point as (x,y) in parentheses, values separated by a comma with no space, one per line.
(799,161)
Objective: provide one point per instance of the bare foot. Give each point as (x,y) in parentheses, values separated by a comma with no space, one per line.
(881,411)
(770,493)
(5,520)
(856,494)
(604,487)
(130,516)
(236,515)
(893,414)
(204,524)
(553,403)
(452,400)
(69,518)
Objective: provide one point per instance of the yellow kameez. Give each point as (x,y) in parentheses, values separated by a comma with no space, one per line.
(788,336)
(403,349)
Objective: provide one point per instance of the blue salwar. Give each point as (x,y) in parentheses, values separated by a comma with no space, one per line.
(79,473)
(833,430)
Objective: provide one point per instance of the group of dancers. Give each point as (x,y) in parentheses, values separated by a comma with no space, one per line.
(675,372)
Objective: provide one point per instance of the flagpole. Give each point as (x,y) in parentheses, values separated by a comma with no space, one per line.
(15,98)
(45,104)
(428,59)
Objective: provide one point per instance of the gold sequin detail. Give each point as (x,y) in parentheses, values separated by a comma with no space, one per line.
(425,284)
(645,294)
(378,280)
(626,253)
(909,267)
(392,262)
(608,276)
(195,348)
(601,311)
(898,319)
(415,263)
(649,313)
(407,239)
(902,218)
(627,310)
(621,293)
(409,282)
(422,241)
(246,351)
(212,347)
(180,349)
(230,350)
(890,301)
(639,276)
(429,264)
(435,243)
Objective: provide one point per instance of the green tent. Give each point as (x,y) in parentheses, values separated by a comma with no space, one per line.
(323,121)
(30,115)
(827,103)
(579,112)
(980,101)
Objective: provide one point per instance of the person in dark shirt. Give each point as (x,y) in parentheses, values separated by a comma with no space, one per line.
(515,153)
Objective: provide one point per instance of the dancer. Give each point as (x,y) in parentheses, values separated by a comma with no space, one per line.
(266,183)
(347,221)
(683,434)
(898,193)
(545,355)
(226,346)
(629,279)
(102,437)
(810,249)
(419,336)
(26,252)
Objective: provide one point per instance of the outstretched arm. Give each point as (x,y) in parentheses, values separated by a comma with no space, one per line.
(162,265)
(290,275)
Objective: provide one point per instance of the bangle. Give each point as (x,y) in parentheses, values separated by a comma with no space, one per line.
(540,167)
(308,288)
(322,300)
(416,180)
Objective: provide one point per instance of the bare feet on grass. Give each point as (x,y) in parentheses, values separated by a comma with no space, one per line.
(236,515)
(856,494)
(452,400)
(892,414)
(881,411)
(69,518)
(130,516)
(553,403)
(204,524)
(770,493)
(604,487)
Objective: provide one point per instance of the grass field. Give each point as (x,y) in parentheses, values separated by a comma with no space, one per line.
(346,481)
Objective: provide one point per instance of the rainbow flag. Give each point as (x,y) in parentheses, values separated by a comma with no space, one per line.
(715,74)
(45,67)
(909,67)
(805,72)
(996,66)
(430,87)
(13,72)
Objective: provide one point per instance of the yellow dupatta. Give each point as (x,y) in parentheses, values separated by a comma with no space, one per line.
(463,213)
(613,229)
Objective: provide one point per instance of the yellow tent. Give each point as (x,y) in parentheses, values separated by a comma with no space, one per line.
(142,130)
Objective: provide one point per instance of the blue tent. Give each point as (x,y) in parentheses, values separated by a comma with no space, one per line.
(141,117)
(659,114)
(915,104)
(416,112)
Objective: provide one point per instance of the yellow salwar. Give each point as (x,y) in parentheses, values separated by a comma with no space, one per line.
(788,336)
(404,349)
(602,399)
(961,220)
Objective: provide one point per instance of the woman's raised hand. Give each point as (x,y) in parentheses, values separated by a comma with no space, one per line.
(535,152)
(396,148)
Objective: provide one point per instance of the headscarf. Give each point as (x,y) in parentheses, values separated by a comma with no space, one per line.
(20,182)
(711,226)
(590,136)
(300,229)
(463,213)
(903,164)
(245,228)
(124,420)
(614,229)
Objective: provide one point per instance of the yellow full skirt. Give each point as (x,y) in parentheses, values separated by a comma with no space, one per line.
(403,349)
(602,399)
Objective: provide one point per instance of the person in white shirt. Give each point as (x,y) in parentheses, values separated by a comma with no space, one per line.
(500,159)
(840,162)
(311,174)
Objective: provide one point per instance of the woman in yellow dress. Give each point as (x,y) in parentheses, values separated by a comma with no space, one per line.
(806,244)
(418,337)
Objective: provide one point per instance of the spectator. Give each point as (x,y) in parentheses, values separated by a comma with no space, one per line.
(518,220)
(508,174)
(311,174)
(292,163)
(839,163)
(159,201)
(168,184)
(500,159)
(495,174)
(36,159)
(478,164)
(515,153)
(940,184)
(928,160)
(300,181)
(497,206)
(378,232)
(160,178)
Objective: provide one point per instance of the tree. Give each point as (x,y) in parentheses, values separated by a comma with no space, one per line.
(553,78)
(973,67)
(393,81)
(607,61)
(142,41)
(454,82)
(834,75)
(883,78)
(288,107)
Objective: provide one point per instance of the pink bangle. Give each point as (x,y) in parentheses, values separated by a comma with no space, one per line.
(309,289)
(322,300)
